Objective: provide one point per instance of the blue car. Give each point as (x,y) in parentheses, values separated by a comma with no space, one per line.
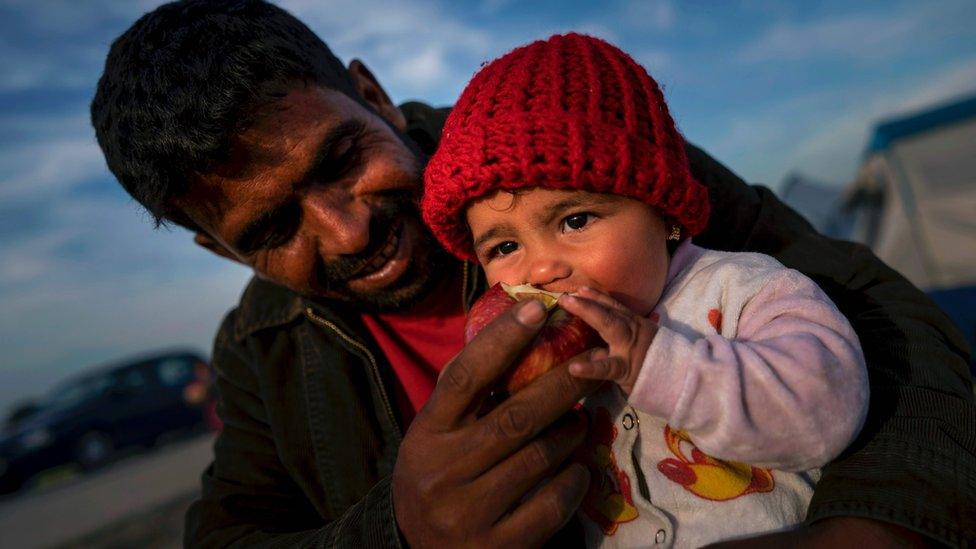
(86,419)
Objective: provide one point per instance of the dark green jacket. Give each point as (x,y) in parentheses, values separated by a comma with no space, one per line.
(311,433)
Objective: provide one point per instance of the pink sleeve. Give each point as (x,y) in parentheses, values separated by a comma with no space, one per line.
(789,391)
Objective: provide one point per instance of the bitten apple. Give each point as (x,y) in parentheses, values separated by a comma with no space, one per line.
(561,338)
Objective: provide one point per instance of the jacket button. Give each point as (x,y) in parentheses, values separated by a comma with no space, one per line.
(628,421)
(660,536)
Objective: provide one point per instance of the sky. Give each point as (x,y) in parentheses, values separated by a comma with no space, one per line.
(769,88)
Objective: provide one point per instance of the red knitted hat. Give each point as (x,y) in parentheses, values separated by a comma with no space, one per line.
(570,112)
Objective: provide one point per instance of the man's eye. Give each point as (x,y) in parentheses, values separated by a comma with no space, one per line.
(348,159)
(506,248)
(276,238)
(576,222)
(282,231)
(343,160)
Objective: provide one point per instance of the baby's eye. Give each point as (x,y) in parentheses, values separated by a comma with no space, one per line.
(506,247)
(577,221)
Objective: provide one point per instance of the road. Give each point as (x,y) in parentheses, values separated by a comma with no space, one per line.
(133,487)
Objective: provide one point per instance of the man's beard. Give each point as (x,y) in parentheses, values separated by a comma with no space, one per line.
(427,267)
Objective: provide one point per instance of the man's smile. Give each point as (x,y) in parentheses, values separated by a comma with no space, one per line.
(382,255)
(390,262)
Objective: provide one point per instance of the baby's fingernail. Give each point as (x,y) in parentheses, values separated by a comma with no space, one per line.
(531,314)
(576,368)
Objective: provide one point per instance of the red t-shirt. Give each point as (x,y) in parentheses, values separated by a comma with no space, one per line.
(420,341)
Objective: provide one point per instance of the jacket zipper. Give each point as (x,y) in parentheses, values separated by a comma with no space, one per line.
(374,366)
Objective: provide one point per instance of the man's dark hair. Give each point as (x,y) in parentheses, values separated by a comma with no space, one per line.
(185,78)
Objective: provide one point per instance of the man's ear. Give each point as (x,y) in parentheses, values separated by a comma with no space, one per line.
(206,241)
(370,90)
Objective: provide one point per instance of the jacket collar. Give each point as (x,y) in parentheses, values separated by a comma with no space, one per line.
(267,305)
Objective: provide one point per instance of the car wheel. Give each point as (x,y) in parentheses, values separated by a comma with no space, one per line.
(94,449)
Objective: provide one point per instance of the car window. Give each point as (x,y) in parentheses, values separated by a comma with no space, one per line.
(79,391)
(132,380)
(174,371)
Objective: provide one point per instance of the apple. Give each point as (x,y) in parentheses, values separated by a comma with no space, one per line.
(561,338)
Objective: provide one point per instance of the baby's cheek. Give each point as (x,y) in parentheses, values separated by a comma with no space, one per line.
(495,274)
(637,280)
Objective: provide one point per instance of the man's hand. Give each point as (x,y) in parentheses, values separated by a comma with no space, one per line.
(500,479)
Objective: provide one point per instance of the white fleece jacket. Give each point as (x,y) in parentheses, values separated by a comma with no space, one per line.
(753,368)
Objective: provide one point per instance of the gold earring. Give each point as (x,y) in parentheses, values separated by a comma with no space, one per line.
(675,233)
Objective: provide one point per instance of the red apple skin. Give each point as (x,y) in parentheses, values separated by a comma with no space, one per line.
(561,338)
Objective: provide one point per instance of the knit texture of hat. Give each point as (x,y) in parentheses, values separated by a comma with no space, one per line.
(569,113)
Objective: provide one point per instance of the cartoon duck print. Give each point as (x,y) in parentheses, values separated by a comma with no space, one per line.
(608,500)
(707,477)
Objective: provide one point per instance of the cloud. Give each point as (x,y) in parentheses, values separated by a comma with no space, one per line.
(955,81)
(419,49)
(491,7)
(655,61)
(599,29)
(823,133)
(46,167)
(424,70)
(416,49)
(80,244)
(859,36)
(856,36)
(57,18)
(33,127)
(29,260)
(59,43)
(28,70)
(647,15)
(837,148)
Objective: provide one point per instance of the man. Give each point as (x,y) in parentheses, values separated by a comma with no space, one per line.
(232,119)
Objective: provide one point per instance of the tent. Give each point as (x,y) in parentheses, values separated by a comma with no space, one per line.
(914,203)
(814,200)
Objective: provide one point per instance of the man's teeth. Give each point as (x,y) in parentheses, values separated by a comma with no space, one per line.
(385,254)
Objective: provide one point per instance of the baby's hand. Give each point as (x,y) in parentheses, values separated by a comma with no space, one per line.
(627,334)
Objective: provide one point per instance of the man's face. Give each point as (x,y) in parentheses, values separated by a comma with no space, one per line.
(320,195)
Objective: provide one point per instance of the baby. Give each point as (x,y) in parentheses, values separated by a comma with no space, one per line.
(735,377)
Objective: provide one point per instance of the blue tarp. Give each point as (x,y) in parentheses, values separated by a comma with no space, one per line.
(958,304)
(897,128)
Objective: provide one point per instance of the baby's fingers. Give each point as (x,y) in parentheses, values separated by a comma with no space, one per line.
(610,368)
(614,326)
(602,298)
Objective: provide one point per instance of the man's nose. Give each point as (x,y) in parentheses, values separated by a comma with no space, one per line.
(547,270)
(340,224)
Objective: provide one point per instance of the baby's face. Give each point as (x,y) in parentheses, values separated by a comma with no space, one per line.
(562,240)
